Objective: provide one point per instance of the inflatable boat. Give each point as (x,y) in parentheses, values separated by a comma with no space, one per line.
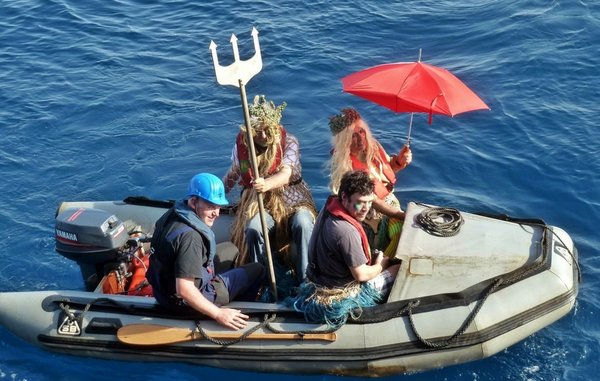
(457,297)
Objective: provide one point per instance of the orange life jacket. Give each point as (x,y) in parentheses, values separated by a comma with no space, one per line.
(383,169)
(138,285)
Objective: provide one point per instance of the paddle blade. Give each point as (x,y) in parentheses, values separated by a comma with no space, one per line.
(153,334)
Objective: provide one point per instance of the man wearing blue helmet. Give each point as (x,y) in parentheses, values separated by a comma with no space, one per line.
(182,271)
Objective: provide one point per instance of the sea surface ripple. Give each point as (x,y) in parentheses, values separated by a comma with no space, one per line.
(104,99)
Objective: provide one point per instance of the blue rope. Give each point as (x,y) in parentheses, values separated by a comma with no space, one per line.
(335,313)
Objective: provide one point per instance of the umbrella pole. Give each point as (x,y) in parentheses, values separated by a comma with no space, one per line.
(409,129)
(412,114)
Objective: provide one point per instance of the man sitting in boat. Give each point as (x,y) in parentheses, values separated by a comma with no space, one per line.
(339,252)
(289,204)
(182,272)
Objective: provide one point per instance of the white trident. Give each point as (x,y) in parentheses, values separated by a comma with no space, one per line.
(238,74)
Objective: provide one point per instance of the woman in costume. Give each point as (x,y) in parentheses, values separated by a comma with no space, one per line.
(355,148)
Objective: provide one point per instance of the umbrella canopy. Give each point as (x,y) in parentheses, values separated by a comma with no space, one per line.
(413,87)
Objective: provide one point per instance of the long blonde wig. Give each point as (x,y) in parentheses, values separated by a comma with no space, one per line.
(340,161)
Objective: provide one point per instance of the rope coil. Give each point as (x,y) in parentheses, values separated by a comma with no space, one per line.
(440,222)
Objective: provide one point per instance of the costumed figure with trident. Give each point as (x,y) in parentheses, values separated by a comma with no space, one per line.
(275,201)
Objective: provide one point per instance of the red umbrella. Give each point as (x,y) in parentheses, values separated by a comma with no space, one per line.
(413,87)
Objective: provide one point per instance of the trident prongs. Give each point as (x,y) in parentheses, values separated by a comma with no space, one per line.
(239,70)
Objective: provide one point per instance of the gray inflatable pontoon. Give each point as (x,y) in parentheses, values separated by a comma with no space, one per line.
(457,298)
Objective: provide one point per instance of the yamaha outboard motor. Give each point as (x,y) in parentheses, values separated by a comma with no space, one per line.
(92,238)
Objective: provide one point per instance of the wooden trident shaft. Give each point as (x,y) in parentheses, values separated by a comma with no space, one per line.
(238,74)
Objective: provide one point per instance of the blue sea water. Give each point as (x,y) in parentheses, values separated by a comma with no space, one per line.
(102,99)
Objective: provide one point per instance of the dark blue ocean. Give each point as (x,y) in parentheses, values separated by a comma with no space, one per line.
(102,99)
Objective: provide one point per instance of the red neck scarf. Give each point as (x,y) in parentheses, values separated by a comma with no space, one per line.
(335,207)
(244,158)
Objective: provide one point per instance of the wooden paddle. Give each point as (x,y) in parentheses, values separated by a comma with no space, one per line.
(155,334)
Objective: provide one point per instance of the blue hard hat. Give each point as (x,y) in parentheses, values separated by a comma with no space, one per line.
(209,188)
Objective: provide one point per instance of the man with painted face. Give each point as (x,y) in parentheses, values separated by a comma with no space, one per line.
(339,249)
(287,199)
(182,271)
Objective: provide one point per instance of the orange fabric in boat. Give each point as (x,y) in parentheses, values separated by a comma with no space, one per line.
(138,285)
(114,283)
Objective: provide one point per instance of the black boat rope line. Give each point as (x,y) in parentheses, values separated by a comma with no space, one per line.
(266,323)
(463,327)
(496,284)
(226,343)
